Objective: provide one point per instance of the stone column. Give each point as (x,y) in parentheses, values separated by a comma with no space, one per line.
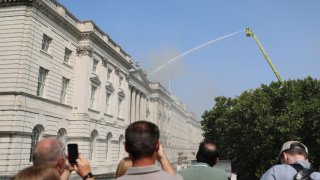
(138,106)
(133,105)
(129,104)
(143,108)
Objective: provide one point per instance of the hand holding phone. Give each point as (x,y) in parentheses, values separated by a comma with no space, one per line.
(73,153)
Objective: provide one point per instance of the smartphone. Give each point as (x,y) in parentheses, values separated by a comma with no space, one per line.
(73,153)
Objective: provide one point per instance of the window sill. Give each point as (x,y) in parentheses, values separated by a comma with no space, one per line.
(92,110)
(68,65)
(109,115)
(46,53)
(120,118)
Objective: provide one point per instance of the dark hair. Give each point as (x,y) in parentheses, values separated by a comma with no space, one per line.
(297,148)
(208,152)
(141,139)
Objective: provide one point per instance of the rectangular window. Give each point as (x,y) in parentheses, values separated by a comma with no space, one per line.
(109,72)
(108,95)
(120,107)
(46,41)
(41,81)
(92,97)
(67,54)
(94,66)
(65,83)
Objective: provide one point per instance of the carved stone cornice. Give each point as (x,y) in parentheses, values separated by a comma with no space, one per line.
(154,99)
(69,22)
(109,49)
(85,50)
(48,7)
(86,35)
(15,2)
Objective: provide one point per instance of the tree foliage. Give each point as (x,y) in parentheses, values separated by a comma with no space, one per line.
(251,128)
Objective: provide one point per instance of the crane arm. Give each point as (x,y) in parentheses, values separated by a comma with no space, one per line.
(249,33)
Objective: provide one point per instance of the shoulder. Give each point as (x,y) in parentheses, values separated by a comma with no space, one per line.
(193,172)
(189,170)
(166,175)
(315,175)
(185,170)
(282,171)
(217,170)
(121,178)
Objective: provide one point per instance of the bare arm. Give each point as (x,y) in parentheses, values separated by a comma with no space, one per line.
(65,175)
(165,164)
(83,167)
(67,171)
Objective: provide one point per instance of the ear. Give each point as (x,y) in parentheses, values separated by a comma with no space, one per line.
(284,158)
(157,146)
(61,163)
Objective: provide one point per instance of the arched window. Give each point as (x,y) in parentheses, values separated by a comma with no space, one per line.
(62,135)
(93,139)
(35,137)
(121,147)
(108,146)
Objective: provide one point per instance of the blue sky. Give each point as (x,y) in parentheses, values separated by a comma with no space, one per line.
(153,32)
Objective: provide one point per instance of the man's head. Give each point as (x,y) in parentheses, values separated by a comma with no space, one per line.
(208,152)
(142,139)
(50,152)
(293,151)
(38,173)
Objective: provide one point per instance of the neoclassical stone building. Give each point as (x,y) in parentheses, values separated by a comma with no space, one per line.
(63,77)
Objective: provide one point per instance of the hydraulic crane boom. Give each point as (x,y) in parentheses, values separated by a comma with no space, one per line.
(249,33)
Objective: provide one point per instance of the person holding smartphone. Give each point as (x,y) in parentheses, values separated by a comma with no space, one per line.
(76,162)
(50,153)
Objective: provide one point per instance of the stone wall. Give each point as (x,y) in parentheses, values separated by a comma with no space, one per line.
(95,121)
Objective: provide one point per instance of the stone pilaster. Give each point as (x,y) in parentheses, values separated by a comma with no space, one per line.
(83,70)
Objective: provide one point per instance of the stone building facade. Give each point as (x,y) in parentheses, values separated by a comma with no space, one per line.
(63,77)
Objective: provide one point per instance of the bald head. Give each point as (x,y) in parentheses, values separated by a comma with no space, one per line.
(49,152)
(208,152)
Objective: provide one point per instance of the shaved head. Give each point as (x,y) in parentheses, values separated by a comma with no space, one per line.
(49,152)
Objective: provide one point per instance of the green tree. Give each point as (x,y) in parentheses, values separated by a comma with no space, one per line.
(251,128)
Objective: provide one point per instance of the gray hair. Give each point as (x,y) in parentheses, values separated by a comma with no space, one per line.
(47,152)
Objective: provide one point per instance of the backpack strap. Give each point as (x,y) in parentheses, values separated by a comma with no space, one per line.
(298,167)
(302,173)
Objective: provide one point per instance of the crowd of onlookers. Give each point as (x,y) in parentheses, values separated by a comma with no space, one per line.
(50,161)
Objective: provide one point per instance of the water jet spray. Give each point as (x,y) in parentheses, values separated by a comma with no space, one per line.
(190,51)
